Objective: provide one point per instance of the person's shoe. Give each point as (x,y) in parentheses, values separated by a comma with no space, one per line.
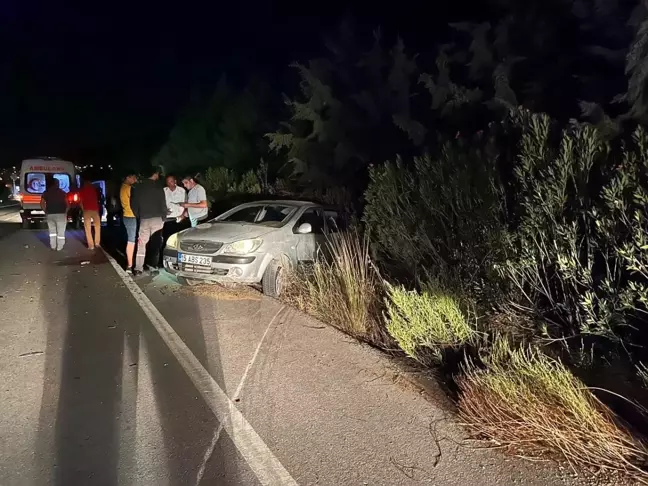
(138,273)
(129,271)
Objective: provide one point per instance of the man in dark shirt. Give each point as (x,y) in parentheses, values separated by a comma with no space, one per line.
(149,205)
(55,204)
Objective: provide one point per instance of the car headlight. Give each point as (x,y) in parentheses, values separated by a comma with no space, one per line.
(172,242)
(242,247)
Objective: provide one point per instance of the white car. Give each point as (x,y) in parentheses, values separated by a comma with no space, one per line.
(252,243)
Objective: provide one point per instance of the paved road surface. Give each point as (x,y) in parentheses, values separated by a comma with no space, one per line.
(107,382)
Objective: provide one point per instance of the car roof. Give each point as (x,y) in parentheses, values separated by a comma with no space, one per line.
(287,202)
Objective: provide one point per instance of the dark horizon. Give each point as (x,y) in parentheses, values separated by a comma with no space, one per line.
(78,79)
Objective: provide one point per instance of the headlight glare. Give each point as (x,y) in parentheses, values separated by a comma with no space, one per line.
(242,247)
(172,242)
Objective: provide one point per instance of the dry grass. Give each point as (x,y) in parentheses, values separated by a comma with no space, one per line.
(642,374)
(344,290)
(221,292)
(531,404)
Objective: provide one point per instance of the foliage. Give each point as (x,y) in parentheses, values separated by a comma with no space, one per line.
(249,183)
(579,254)
(218,182)
(637,94)
(354,108)
(343,290)
(440,217)
(424,324)
(223,130)
(562,58)
(530,403)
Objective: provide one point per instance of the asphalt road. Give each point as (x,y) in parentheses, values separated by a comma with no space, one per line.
(108,382)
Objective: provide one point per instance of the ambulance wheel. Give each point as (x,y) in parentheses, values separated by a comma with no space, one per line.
(25,224)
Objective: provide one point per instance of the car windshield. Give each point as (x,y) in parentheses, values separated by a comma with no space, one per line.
(274,215)
(35,182)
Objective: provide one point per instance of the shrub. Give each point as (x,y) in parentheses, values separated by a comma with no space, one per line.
(440,216)
(579,254)
(424,324)
(249,183)
(343,291)
(532,404)
(218,181)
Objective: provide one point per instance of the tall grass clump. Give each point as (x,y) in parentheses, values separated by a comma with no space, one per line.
(427,323)
(343,289)
(532,404)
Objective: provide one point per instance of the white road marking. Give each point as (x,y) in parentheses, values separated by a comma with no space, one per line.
(266,467)
(237,393)
(10,215)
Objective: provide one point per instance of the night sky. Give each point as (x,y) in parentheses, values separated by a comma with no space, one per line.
(89,75)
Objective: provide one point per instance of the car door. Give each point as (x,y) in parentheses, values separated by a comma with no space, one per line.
(307,245)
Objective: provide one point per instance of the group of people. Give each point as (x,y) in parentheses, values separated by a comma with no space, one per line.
(55,203)
(151,214)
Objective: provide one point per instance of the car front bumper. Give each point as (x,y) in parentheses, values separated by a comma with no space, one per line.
(224,268)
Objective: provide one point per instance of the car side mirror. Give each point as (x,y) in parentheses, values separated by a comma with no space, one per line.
(304,229)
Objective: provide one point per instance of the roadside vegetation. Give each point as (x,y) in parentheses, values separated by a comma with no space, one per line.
(499,224)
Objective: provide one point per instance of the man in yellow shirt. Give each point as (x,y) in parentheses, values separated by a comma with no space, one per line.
(128,218)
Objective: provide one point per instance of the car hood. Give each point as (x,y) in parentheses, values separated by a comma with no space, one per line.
(225,232)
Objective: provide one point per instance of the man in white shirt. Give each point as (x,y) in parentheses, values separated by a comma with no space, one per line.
(196,204)
(174,196)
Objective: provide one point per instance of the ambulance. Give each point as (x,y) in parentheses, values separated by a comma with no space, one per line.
(34,174)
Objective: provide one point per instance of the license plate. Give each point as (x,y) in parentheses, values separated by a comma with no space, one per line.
(38,211)
(195,259)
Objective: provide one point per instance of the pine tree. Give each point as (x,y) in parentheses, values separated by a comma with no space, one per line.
(354,109)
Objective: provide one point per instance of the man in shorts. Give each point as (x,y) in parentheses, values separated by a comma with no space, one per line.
(128,218)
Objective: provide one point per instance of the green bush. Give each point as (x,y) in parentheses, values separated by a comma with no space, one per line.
(439,217)
(249,183)
(218,182)
(579,254)
(424,324)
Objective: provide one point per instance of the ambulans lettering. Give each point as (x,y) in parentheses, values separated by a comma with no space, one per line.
(46,168)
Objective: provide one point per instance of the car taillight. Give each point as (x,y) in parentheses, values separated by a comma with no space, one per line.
(75,198)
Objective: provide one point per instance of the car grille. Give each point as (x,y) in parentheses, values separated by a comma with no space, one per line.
(188,267)
(201,247)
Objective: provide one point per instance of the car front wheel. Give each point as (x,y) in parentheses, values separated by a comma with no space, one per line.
(273,279)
